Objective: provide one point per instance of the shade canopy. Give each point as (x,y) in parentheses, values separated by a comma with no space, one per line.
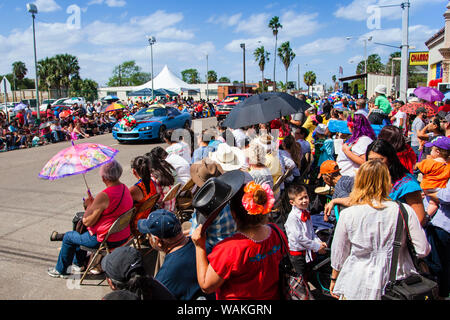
(146,92)
(166,79)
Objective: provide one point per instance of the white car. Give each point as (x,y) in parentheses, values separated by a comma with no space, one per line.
(45,103)
(59,101)
(78,100)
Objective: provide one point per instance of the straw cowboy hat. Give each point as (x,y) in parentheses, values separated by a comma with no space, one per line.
(267,142)
(229,158)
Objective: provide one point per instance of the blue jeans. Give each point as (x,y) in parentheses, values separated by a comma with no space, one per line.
(416,151)
(439,258)
(72,254)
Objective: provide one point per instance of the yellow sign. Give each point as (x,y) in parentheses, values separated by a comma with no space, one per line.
(418,58)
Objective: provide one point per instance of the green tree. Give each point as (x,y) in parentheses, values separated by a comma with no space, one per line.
(48,74)
(374,65)
(190,76)
(19,71)
(212,76)
(67,68)
(86,88)
(128,74)
(275,25)
(310,79)
(261,57)
(286,55)
(397,64)
(334,78)
(224,80)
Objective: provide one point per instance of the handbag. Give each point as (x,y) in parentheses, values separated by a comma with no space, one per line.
(291,285)
(416,286)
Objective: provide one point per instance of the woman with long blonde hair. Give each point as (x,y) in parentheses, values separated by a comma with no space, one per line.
(363,240)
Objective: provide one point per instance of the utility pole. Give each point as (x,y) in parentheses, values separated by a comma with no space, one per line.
(243,47)
(298,76)
(405,49)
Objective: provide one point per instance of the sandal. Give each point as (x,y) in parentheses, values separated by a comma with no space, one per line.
(55,236)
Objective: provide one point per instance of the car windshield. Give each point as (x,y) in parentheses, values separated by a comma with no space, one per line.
(150,113)
(234,99)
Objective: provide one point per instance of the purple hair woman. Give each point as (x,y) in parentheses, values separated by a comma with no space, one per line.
(352,154)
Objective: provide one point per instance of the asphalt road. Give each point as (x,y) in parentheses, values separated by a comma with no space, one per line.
(31,208)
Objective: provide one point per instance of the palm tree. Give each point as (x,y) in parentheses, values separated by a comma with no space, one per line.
(286,55)
(68,68)
(275,25)
(310,79)
(261,57)
(19,72)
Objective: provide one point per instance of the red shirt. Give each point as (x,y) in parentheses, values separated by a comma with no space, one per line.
(21,118)
(445,108)
(250,268)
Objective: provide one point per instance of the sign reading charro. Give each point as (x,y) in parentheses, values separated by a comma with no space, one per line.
(418,58)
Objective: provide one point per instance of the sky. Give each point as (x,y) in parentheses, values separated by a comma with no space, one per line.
(105,33)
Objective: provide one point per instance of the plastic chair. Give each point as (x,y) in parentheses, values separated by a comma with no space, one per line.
(172,193)
(144,211)
(121,223)
(281,179)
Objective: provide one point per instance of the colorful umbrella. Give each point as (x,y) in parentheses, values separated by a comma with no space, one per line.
(428,94)
(20,106)
(77,159)
(115,107)
(65,114)
(410,108)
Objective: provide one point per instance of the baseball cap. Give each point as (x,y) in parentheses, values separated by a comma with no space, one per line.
(447,117)
(439,142)
(119,264)
(329,166)
(160,223)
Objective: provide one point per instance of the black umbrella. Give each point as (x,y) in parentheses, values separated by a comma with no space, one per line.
(263,108)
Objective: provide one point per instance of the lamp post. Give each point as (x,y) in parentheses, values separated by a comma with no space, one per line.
(243,48)
(405,48)
(32,8)
(207,79)
(152,41)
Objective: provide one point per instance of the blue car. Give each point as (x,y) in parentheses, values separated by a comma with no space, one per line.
(151,123)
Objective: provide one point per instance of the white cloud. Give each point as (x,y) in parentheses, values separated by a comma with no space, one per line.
(323,45)
(47,5)
(357,10)
(109,3)
(225,20)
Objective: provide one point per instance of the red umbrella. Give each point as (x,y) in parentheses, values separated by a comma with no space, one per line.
(65,114)
(410,108)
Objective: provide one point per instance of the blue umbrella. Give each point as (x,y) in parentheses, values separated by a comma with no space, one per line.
(447,96)
(111,98)
(20,106)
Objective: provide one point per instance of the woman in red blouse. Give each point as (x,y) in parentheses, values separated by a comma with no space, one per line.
(245,265)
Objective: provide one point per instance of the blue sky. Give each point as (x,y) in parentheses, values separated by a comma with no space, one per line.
(104,33)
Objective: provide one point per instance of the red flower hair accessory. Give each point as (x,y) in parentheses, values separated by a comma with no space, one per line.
(258,199)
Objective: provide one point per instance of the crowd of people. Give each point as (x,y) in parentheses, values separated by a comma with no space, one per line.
(368,154)
(23,130)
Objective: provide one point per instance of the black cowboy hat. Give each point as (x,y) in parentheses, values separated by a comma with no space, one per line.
(215,194)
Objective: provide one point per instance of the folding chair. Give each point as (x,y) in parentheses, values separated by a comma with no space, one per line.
(281,179)
(121,223)
(143,213)
(184,201)
(172,193)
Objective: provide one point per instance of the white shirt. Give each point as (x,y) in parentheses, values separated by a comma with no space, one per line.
(301,235)
(362,249)
(347,166)
(181,166)
(179,148)
(239,137)
(398,116)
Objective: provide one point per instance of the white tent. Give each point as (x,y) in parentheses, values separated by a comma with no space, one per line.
(166,79)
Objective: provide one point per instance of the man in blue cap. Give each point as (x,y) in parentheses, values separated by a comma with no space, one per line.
(178,271)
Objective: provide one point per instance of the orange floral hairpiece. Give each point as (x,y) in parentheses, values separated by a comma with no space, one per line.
(249,203)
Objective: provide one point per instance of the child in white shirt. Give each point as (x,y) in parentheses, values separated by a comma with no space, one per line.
(303,242)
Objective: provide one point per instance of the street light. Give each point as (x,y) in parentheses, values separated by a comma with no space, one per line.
(152,41)
(365,50)
(32,8)
(207,79)
(243,48)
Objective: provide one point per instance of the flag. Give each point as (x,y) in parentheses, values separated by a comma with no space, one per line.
(341,70)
